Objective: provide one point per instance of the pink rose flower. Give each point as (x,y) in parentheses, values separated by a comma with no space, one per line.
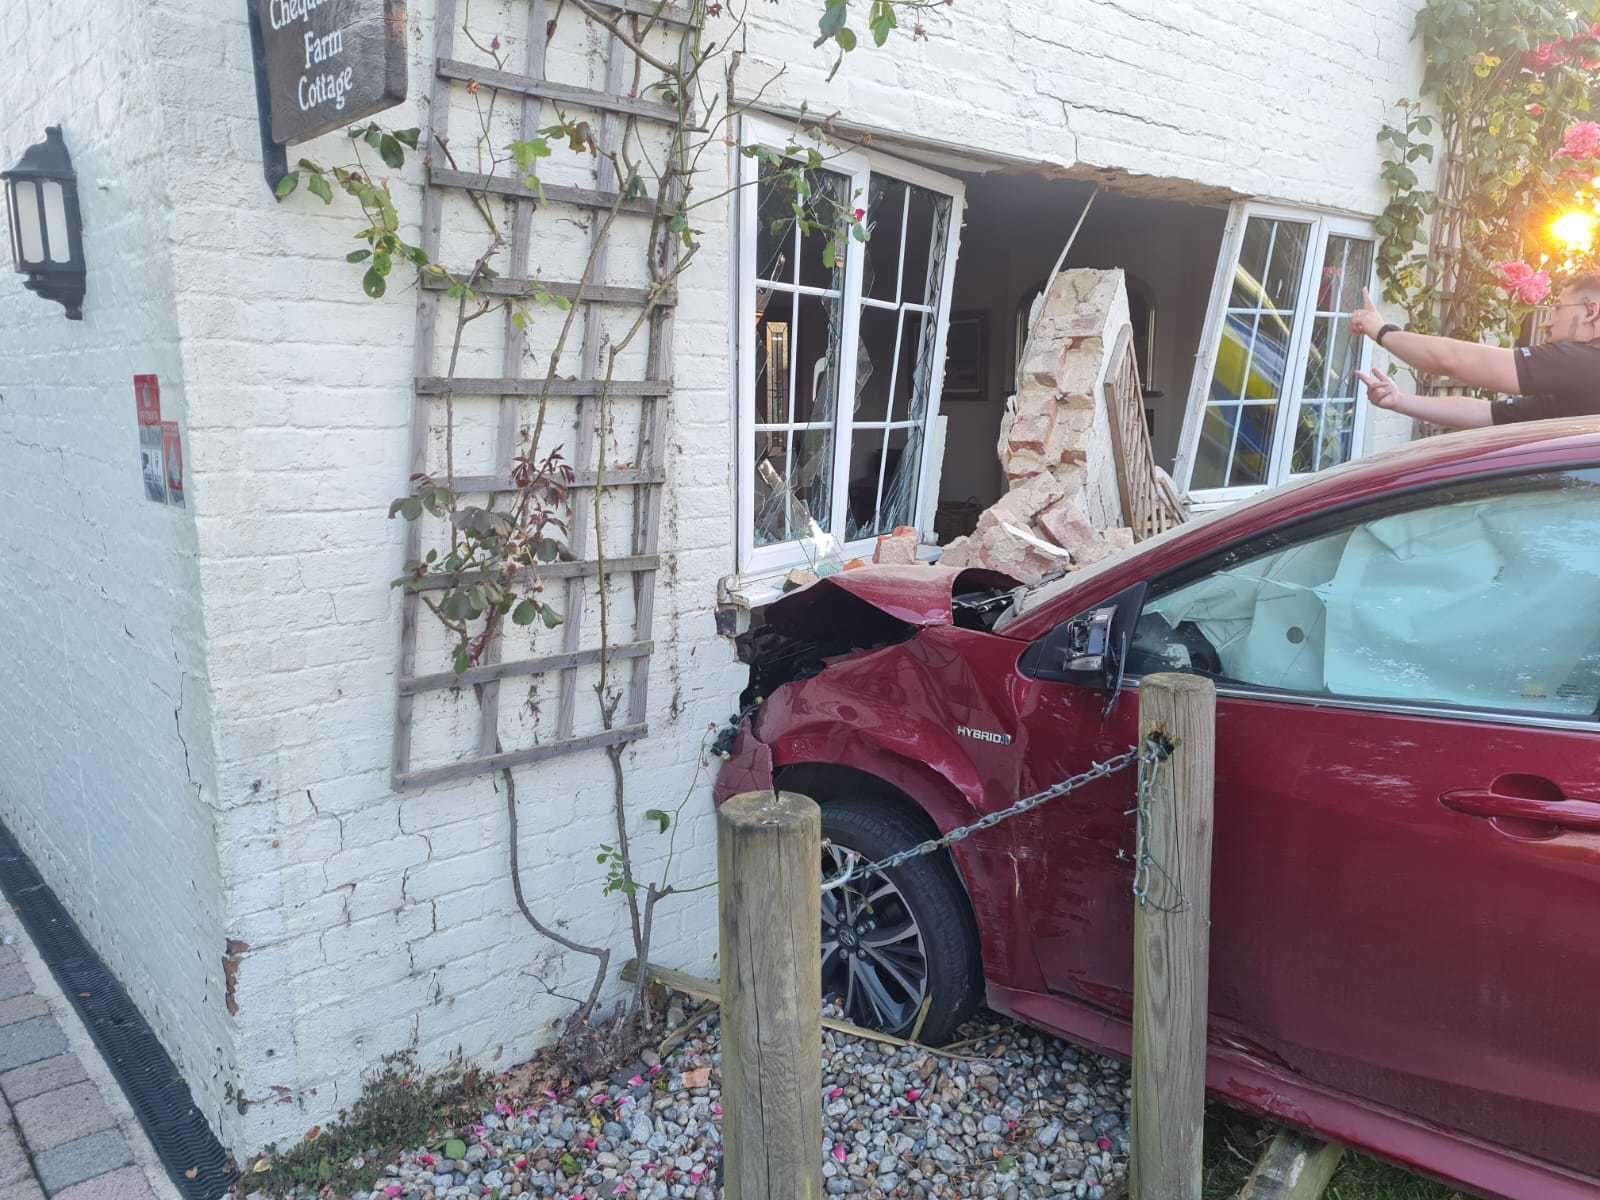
(1548,56)
(1581,141)
(1523,283)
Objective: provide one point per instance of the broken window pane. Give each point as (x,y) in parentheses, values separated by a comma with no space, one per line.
(774,329)
(816,355)
(793,484)
(874,361)
(775,230)
(880,276)
(830,195)
(873,511)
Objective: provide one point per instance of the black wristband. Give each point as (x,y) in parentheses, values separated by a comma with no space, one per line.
(1386,331)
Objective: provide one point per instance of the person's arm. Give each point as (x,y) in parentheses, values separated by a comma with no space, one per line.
(1471,363)
(1450,412)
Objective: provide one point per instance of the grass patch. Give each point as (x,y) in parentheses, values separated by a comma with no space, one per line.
(1234,1142)
(400,1108)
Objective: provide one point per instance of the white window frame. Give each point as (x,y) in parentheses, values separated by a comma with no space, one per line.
(1323,226)
(859,165)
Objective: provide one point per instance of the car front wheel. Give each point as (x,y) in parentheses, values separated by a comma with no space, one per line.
(896,940)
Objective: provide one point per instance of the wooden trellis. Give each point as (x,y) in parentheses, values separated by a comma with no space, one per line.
(1149,504)
(637,555)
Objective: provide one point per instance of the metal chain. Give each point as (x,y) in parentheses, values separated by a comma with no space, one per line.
(1152,752)
(1145,866)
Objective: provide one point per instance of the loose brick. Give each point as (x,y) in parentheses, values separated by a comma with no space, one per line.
(20,1008)
(63,1115)
(127,1184)
(75,1161)
(43,1076)
(29,1041)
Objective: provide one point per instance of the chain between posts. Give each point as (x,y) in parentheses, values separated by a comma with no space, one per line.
(1155,751)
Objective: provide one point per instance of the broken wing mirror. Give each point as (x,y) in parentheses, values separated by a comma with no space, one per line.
(1091,648)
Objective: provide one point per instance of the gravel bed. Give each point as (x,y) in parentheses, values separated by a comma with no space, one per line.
(1015,1115)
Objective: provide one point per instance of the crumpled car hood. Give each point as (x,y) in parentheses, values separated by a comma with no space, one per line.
(918,594)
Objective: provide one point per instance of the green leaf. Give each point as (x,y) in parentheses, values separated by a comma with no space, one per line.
(846,39)
(883,22)
(373,283)
(833,19)
(528,153)
(409,137)
(411,508)
(358,256)
(550,616)
(391,151)
(318,185)
(455,1148)
(524,613)
(661,819)
(382,263)
(287,184)
(374,136)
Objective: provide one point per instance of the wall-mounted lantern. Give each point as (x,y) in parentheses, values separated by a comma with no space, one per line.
(46,226)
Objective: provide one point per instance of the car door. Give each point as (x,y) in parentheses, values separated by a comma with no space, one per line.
(1406,871)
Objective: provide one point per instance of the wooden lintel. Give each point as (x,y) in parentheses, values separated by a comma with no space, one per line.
(524,666)
(1295,1166)
(467,767)
(559,93)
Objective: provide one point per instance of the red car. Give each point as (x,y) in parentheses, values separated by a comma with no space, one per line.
(1405,951)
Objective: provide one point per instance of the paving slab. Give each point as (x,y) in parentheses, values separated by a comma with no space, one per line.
(43,1076)
(127,1184)
(15,981)
(28,1041)
(14,1164)
(83,1158)
(27,1189)
(20,1008)
(63,1115)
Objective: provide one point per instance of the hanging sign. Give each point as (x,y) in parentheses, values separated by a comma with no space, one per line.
(331,62)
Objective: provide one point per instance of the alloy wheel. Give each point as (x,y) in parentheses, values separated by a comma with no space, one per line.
(874,961)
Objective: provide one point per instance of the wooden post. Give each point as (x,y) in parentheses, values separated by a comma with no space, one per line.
(1172,941)
(769,855)
(1296,1166)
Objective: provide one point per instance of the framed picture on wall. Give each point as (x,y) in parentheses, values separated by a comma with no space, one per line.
(966,361)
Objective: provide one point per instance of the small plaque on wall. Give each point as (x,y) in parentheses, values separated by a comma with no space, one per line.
(331,62)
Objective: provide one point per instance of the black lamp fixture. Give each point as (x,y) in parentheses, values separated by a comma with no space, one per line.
(46,226)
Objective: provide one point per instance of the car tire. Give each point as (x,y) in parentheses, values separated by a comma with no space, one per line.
(873,912)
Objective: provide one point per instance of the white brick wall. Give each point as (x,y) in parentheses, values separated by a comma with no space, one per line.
(377,920)
(106,768)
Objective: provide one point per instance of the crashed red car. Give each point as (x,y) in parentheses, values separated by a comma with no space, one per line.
(1405,951)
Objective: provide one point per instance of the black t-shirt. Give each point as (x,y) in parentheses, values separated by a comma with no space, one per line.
(1558,379)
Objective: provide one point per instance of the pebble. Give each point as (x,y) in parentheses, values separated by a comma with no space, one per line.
(1017,1116)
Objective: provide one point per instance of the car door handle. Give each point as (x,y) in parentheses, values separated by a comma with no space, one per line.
(1568,814)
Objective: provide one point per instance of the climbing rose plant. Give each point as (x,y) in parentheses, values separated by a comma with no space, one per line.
(1503,121)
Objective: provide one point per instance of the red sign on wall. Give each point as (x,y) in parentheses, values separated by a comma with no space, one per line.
(147,404)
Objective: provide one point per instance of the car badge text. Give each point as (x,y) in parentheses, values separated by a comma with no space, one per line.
(983,735)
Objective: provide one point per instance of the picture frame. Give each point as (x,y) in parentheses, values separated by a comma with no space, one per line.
(966,358)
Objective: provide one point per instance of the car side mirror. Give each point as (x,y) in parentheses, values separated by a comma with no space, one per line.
(1090,648)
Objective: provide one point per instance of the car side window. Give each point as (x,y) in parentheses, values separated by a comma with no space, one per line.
(1484,596)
